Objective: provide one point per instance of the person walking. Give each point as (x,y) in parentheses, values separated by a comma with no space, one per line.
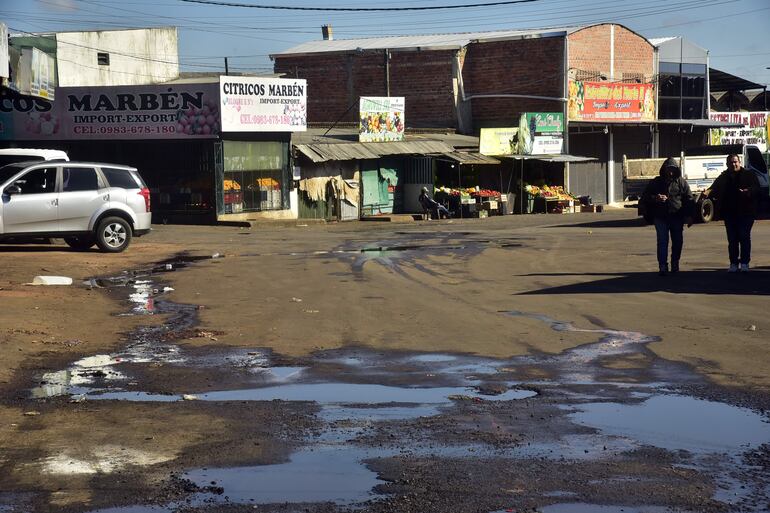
(736,191)
(668,201)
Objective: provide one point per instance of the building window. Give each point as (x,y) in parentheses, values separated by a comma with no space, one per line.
(255,174)
(682,90)
(103,58)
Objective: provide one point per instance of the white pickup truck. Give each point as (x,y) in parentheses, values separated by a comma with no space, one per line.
(700,167)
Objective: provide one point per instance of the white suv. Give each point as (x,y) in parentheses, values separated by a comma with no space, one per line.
(85,203)
(13,155)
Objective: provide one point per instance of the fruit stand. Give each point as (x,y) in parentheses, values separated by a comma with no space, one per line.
(471,201)
(233,197)
(551,199)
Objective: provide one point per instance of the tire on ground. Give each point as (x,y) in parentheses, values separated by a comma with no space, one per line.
(113,234)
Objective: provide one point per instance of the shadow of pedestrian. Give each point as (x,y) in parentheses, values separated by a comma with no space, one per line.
(696,281)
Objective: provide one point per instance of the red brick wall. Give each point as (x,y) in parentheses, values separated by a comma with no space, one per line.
(589,50)
(336,81)
(524,66)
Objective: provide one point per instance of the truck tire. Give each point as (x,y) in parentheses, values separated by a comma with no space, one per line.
(706,210)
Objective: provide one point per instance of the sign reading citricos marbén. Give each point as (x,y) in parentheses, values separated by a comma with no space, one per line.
(262,104)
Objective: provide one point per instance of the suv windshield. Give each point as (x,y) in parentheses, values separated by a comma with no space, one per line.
(6,172)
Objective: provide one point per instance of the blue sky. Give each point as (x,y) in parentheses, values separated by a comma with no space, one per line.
(736,32)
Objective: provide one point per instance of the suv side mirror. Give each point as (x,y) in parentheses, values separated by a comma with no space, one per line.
(12,189)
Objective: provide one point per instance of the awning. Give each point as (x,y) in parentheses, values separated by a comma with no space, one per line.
(467,157)
(323,152)
(553,158)
(700,123)
(722,81)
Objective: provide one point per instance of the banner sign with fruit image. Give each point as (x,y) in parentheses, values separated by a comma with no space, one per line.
(263,104)
(610,101)
(541,133)
(114,112)
(755,129)
(381,119)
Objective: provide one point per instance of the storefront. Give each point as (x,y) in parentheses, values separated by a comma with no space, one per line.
(533,171)
(258,116)
(341,178)
(200,164)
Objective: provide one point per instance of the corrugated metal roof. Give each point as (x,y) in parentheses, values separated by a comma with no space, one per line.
(428,41)
(467,157)
(657,41)
(322,152)
(723,81)
(554,158)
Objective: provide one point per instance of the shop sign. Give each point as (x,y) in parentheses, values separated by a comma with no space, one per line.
(610,101)
(497,142)
(381,118)
(541,133)
(114,112)
(263,104)
(755,129)
(4,64)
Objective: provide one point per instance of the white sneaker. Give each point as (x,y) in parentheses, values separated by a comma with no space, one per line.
(733,268)
(744,268)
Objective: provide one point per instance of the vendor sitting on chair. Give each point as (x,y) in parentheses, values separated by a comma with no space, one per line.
(432,207)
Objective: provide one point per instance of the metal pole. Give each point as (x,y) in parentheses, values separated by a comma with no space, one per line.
(460,186)
(521,188)
(387,72)
(227,68)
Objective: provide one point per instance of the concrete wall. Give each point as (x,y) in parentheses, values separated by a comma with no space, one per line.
(137,56)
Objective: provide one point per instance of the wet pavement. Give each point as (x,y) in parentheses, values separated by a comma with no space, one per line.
(396,427)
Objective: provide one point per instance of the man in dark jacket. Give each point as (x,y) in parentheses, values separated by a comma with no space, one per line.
(434,208)
(668,200)
(736,192)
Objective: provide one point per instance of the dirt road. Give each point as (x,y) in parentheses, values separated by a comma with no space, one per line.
(485,365)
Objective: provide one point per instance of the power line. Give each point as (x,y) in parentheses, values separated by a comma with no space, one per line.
(356,9)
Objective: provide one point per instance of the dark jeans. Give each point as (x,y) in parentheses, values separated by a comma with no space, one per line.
(438,211)
(673,225)
(739,238)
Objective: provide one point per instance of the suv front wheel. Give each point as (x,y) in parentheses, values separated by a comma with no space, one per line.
(113,234)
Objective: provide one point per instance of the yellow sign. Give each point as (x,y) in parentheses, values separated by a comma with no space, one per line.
(498,141)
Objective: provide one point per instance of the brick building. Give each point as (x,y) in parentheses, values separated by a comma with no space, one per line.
(473,80)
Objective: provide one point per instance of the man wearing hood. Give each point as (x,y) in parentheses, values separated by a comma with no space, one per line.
(736,191)
(668,200)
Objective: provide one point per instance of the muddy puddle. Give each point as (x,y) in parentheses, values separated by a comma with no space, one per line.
(381,406)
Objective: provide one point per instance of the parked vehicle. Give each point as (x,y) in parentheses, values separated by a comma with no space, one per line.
(84,203)
(13,155)
(700,167)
